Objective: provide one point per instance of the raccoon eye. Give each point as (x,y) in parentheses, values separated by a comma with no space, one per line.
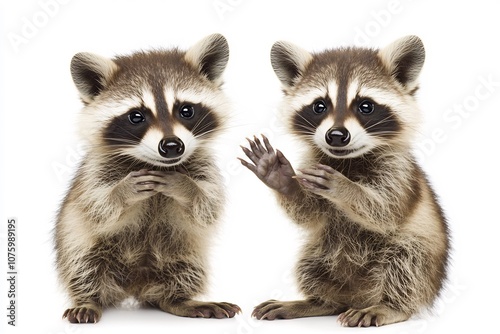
(186,111)
(136,117)
(366,107)
(319,107)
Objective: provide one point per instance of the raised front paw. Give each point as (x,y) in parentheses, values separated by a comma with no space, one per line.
(82,315)
(270,166)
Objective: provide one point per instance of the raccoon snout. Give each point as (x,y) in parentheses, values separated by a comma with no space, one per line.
(338,137)
(171,147)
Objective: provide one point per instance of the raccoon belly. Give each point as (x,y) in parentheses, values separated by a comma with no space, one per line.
(336,280)
(161,268)
(170,280)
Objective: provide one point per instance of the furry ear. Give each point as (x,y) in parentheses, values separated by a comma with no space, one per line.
(91,74)
(210,57)
(289,62)
(404,59)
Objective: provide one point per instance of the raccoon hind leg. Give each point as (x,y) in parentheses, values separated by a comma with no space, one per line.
(174,286)
(92,285)
(88,305)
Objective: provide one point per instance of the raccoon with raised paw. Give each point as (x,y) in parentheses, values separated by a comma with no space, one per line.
(138,218)
(377,240)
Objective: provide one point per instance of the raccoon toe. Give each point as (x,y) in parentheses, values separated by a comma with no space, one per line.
(82,315)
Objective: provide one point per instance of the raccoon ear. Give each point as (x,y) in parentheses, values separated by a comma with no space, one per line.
(210,56)
(404,59)
(289,62)
(91,74)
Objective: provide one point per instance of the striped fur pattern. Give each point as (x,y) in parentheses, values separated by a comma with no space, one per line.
(377,240)
(139,215)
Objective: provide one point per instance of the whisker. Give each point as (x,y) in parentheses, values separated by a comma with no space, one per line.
(382,121)
(305,119)
(199,122)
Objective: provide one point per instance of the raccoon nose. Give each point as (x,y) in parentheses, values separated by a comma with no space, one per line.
(171,147)
(338,137)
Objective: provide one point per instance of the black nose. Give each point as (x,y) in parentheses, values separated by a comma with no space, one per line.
(338,137)
(171,147)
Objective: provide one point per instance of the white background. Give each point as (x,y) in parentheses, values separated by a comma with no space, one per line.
(257,245)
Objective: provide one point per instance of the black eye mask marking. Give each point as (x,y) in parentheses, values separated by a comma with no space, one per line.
(128,128)
(308,119)
(195,117)
(376,119)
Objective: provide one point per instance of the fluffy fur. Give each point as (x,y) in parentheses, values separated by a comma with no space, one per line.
(377,240)
(139,215)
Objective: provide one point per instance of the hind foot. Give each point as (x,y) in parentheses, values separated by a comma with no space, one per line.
(275,309)
(371,316)
(197,309)
(83,314)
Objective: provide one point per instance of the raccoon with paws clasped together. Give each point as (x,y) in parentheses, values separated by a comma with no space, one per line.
(138,217)
(377,240)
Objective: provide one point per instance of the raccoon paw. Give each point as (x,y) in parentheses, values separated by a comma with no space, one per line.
(371,316)
(216,310)
(275,309)
(196,309)
(271,310)
(82,315)
(136,186)
(270,166)
(324,181)
(358,318)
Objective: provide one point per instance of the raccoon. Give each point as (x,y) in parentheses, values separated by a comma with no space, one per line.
(377,240)
(147,196)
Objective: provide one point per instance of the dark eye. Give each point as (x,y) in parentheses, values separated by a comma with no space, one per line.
(136,117)
(186,111)
(366,107)
(319,107)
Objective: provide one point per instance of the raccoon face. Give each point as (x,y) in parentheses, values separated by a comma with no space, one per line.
(158,107)
(347,102)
